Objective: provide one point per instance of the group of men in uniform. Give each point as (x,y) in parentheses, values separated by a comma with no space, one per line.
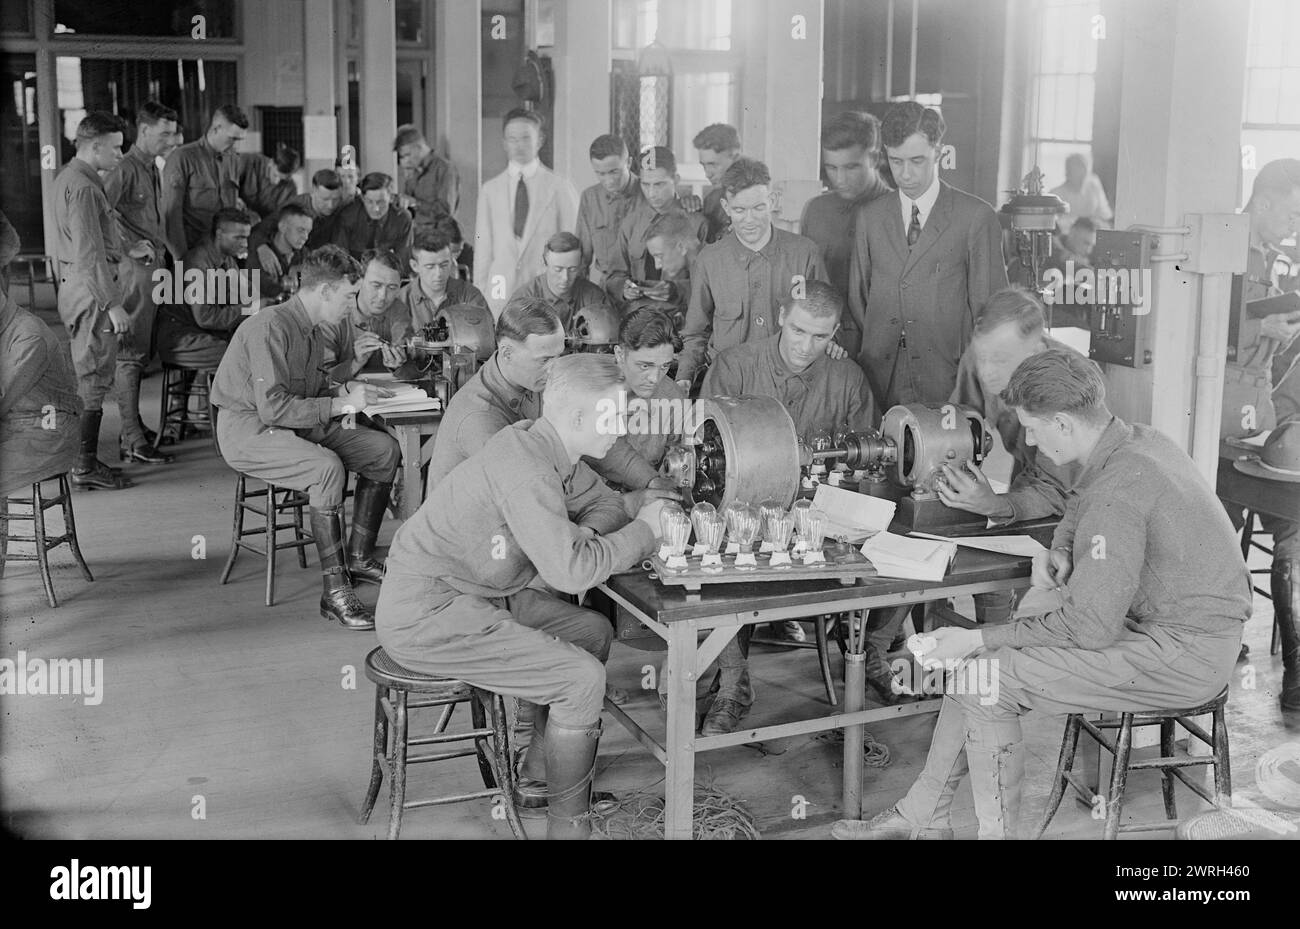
(532,498)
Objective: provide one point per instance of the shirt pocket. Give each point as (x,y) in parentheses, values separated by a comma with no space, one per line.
(728,305)
(298,386)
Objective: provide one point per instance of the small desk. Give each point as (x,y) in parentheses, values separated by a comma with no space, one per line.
(722,610)
(1274,498)
(414,433)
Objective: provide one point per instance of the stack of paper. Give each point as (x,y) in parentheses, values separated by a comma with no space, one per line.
(407,398)
(914,559)
(1021,545)
(852,516)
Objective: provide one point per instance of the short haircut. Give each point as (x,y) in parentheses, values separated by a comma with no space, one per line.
(1078,158)
(327,178)
(1012,304)
(584,374)
(1275,180)
(743,174)
(561,243)
(606,145)
(657,156)
(231,114)
(287,159)
(675,227)
(1058,380)
(97,124)
(849,129)
(327,265)
(648,327)
(718,137)
(432,240)
(819,299)
(381,256)
(291,211)
(151,113)
(447,225)
(519,112)
(407,134)
(375,180)
(528,317)
(230,216)
(903,120)
(1084,222)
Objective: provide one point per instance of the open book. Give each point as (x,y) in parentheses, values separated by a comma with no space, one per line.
(915,559)
(407,398)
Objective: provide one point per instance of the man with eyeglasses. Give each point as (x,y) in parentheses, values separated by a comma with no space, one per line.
(739,283)
(561,286)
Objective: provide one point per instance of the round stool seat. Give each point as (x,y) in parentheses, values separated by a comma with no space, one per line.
(1203,710)
(1245,823)
(383,670)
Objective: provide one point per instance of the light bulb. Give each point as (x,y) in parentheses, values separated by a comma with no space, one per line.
(778,528)
(699,513)
(815,532)
(742,525)
(709,531)
(766,510)
(800,511)
(677,529)
(669,512)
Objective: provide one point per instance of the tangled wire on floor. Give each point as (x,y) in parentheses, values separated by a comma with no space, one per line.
(640,815)
(875,754)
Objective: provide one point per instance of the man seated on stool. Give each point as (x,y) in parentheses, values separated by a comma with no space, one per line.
(1154,596)
(819,393)
(457,601)
(284,422)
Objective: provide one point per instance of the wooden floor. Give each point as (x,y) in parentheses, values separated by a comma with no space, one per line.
(212,699)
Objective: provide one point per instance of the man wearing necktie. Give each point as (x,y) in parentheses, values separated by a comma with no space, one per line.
(518,211)
(134,190)
(925,259)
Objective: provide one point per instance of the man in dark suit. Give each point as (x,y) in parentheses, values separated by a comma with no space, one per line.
(924,261)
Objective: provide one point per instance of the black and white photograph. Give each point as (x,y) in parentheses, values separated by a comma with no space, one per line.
(642,420)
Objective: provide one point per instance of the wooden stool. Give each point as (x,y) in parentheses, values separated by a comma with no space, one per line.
(39,537)
(268,503)
(491,744)
(1170,766)
(174,417)
(1248,542)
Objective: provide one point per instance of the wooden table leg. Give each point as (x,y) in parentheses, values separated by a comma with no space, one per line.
(679,781)
(412,491)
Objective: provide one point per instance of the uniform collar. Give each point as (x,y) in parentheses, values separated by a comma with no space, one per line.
(86,170)
(779,366)
(1116,433)
(427,162)
(294,309)
(747,254)
(141,156)
(556,454)
(495,381)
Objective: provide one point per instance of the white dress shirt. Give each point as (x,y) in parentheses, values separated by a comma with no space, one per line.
(925,203)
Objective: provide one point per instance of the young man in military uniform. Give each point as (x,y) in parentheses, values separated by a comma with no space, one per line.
(283,420)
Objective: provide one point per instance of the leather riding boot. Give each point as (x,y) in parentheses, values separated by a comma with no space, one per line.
(91,473)
(1286,612)
(134,443)
(570,767)
(368,505)
(337,600)
(997,773)
(881,677)
(530,787)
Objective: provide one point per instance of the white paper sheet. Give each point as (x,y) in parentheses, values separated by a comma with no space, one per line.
(852,515)
(1021,545)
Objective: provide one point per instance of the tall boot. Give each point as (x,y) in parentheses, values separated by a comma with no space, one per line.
(997,772)
(90,472)
(1286,612)
(530,787)
(134,443)
(337,599)
(367,516)
(570,767)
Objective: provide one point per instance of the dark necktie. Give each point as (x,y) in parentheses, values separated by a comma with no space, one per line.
(521,207)
(914,230)
(157,190)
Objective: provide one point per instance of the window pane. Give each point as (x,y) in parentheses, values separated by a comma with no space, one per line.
(698,100)
(15,17)
(1083,117)
(1063,118)
(138,18)
(410,21)
(1288,110)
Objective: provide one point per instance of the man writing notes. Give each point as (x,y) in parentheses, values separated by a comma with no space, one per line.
(283,421)
(457,601)
(518,211)
(924,261)
(1154,594)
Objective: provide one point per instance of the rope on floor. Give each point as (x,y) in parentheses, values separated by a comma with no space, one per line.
(640,815)
(875,754)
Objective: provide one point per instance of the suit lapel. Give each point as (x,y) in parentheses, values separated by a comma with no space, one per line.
(545,194)
(935,224)
(894,230)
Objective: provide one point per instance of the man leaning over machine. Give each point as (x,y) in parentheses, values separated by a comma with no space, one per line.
(457,601)
(1154,596)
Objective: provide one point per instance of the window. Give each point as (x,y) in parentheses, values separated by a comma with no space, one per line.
(1271,112)
(141,18)
(696,36)
(1062,85)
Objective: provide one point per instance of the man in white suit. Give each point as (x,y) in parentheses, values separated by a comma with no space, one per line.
(518,210)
